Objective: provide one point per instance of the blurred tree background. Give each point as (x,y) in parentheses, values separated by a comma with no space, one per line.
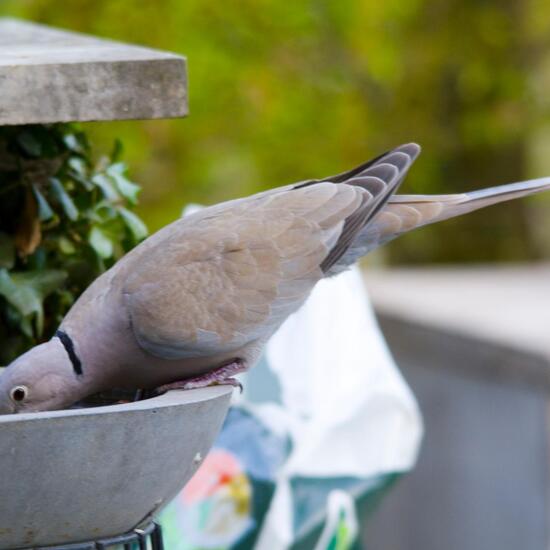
(283,91)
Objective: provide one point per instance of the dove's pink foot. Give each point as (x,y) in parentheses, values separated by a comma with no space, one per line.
(222,376)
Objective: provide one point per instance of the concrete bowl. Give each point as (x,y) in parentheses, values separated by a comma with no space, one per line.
(85,474)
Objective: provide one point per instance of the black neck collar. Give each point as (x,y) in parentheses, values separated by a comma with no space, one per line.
(68,344)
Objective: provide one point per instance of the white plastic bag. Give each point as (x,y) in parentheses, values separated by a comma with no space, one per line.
(345,404)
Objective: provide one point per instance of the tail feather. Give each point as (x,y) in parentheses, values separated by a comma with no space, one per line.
(510,191)
(403,213)
(449,206)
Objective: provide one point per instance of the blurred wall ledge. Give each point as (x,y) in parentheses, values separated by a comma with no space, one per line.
(474,344)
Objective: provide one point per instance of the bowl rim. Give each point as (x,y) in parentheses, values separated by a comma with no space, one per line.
(169,399)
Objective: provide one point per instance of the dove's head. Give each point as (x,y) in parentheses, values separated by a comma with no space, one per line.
(42,379)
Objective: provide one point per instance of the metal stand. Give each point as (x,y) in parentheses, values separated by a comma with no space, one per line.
(147,538)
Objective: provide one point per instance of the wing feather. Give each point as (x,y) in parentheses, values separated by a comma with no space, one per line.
(225,276)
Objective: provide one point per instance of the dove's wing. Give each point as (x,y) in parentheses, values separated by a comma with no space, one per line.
(228,275)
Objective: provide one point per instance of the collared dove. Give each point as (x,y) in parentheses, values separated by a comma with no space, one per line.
(195,303)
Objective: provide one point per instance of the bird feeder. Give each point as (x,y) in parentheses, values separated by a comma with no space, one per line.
(82,476)
(47,76)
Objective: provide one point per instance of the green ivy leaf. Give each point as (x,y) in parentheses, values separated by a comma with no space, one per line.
(64,198)
(126,188)
(29,143)
(44,210)
(134,224)
(26,326)
(118,150)
(26,291)
(101,243)
(78,171)
(71,142)
(117,168)
(103,212)
(76,142)
(66,245)
(78,166)
(37,260)
(38,141)
(107,186)
(7,251)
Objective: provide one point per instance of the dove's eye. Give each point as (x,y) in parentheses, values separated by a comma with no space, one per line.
(19,393)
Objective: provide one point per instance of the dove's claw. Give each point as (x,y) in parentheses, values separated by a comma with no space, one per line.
(221,376)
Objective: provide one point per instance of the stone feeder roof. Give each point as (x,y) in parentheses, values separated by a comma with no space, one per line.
(48,75)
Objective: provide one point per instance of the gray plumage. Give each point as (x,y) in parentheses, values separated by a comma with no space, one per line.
(211,288)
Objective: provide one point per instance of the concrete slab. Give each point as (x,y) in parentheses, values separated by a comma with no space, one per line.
(48,75)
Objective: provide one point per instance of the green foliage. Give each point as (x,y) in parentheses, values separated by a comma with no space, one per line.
(64,219)
(282,91)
